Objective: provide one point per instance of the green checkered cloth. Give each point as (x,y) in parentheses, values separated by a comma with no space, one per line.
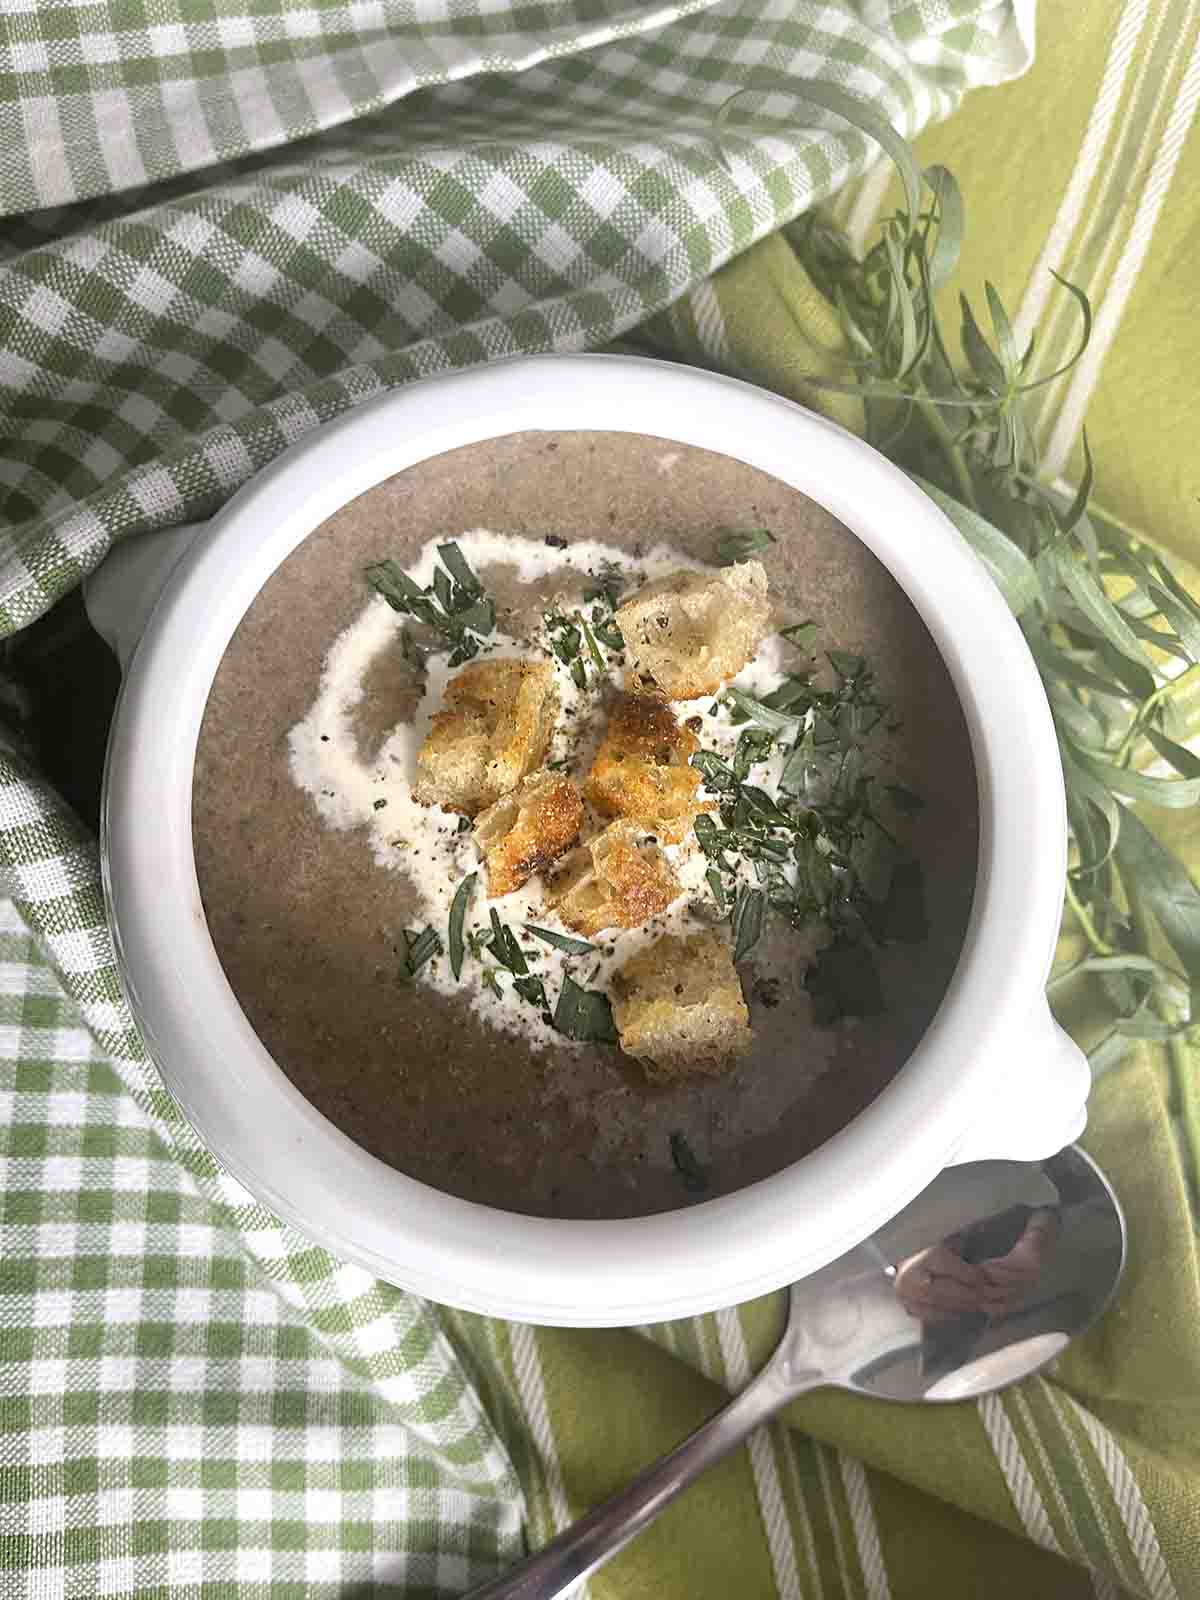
(194,1401)
(161,345)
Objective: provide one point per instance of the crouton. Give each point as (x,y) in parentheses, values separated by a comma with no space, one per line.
(526,831)
(692,631)
(641,769)
(616,881)
(494,729)
(679,1009)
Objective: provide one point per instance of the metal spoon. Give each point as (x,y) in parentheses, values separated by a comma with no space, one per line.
(980,1281)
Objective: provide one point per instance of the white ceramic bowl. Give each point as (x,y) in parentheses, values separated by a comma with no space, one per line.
(992,1077)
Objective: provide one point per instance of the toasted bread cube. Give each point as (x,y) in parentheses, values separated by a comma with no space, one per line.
(494,729)
(692,631)
(617,881)
(526,831)
(679,1009)
(641,769)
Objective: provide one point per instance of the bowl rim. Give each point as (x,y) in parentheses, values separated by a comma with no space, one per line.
(270,1138)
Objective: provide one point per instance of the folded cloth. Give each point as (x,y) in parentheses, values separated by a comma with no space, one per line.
(194,1398)
(162,344)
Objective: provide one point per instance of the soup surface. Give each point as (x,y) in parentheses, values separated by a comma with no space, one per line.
(307,898)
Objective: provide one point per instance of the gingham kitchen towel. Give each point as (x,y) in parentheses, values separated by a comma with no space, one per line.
(193,1401)
(158,346)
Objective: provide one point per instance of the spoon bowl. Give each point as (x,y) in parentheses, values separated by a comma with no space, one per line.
(982,1280)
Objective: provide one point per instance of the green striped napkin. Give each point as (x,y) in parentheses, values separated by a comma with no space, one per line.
(193,1400)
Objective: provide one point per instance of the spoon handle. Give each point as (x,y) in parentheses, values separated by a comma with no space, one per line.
(596,1537)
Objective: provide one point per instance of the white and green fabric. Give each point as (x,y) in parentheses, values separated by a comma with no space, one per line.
(195,1402)
(160,345)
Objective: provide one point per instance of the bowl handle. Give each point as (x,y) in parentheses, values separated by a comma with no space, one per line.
(1041,1104)
(124,589)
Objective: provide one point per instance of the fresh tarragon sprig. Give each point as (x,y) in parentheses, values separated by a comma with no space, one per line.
(1115,634)
(454,610)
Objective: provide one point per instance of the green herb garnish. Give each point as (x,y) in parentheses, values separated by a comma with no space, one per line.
(454,608)
(575,947)
(378,805)
(740,544)
(565,641)
(569,635)
(753,747)
(584,1014)
(606,630)
(688,1168)
(456,565)
(746,920)
(593,649)
(848,667)
(504,947)
(963,433)
(418,949)
(801,634)
(818,851)
(607,586)
(757,711)
(533,990)
(458,912)
(718,774)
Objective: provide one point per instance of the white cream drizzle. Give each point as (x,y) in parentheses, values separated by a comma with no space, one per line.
(347,784)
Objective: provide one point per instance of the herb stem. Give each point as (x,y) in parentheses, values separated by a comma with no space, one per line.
(955,459)
(1100,946)
(590,641)
(1147,708)
(1091,963)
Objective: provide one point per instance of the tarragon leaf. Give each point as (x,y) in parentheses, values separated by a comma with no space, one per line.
(979,353)
(718,775)
(746,921)
(1177,755)
(533,990)
(393,583)
(1009,568)
(458,912)
(943,258)
(1085,335)
(755,711)
(574,947)
(457,566)
(419,948)
(753,747)
(505,948)
(1165,887)
(584,1014)
(1177,793)
(861,114)
(740,544)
